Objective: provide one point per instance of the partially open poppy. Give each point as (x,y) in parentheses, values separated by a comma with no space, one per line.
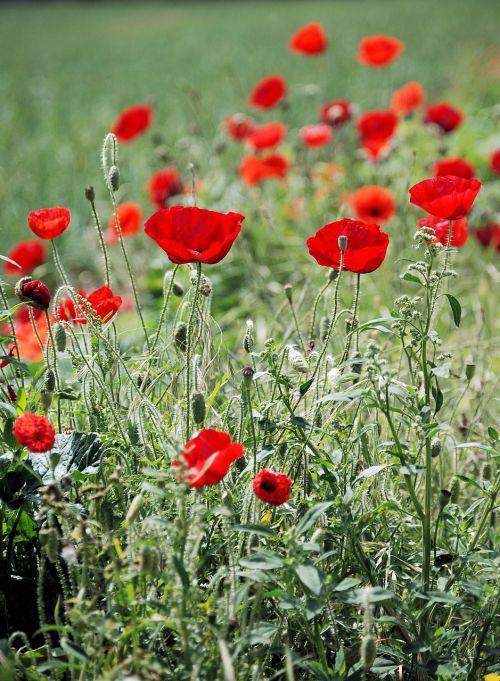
(459,230)
(372,203)
(316,135)
(255,169)
(376,129)
(130,219)
(238,126)
(28,254)
(272,487)
(407,98)
(266,136)
(443,115)
(335,113)
(163,185)
(309,40)
(49,223)
(133,122)
(454,166)
(446,196)
(268,92)
(379,50)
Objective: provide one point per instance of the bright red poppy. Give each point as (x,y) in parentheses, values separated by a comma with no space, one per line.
(163,185)
(488,235)
(372,203)
(335,113)
(133,122)
(459,230)
(446,196)
(272,487)
(316,135)
(495,162)
(256,169)
(268,92)
(376,129)
(238,126)
(454,166)
(191,234)
(365,250)
(267,136)
(34,432)
(407,98)
(206,458)
(379,50)
(28,254)
(443,115)
(48,223)
(309,40)
(129,218)
(103,301)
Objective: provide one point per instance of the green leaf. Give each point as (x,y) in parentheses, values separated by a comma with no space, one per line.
(254,529)
(456,308)
(310,517)
(411,277)
(347,583)
(310,577)
(263,632)
(262,560)
(305,386)
(77,451)
(372,470)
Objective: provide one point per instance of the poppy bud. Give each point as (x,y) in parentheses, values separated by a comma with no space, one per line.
(49,540)
(248,373)
(60,337)
(177,290)
(368,651)
(33,291)
(297,360)
(288,292)
(205,287)
(114,178)
(248,341)
(444,498)
(11,393)
(357,364)
(435,448)
(332,275)
(455,490)
(50,380)
(134,509)
(180,336)
(150,560)
(324,325)
(470,370)
(106,516)
(342,243)
(46,399)
(198,407)
(90,193)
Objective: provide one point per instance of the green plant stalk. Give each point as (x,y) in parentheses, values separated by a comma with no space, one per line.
(354,324)
(58,263)
(315,309)
(102,243)
(189,349)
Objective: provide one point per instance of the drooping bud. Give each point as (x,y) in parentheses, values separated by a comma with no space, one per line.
(435,448)
(90,193)
(60,337)
(149,560)
(333,274)
(444,498)
(106,516)
(114,178)
(486,472)
(198,407)
(297,360)
(248,341)
(205,287)
(180,336)
(33,291)
(357,363)
(46,399)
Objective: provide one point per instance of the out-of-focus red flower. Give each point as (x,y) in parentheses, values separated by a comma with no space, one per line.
(372,203)
(443,115)
(68,311)
(316,135)
(379,50)
(407,98)
(267,136)
(365,250)
(459,231)
(446,196)
(309,40)
(488,235)
(34,432)
(163,185)
(454,166)
(335,113)
(130,219)
(133,122)
(103,301)
(11,393)
(376,129)
(255,169)
(28,254)
(206,458)
(238,126)
(191,234)
(268,92)
(27,342)
(272,487)
(48,223)
(5,362)
(33,291)
(495,162)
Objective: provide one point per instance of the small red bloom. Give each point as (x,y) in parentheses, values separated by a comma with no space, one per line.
(489,235)
(67,311)
(379,50)
(5,362)
(444,116)
(33,291)
(408,98)
(365,251)
(335,113)
(34,432)
(238,127)
(272,487)
(495,162)
(268,92)
(316,135)
(163,185)
(376,129)
(130,219)
(373,203)
(11,393)
(207,458)
(48,223)
(190,234)
(104,302)
(267,136)
(133,122)
(255,169)
(309,41)
(29,254)
(459,230)
(454,166)
(446,196)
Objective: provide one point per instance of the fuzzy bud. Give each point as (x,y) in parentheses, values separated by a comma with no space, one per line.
(455,490)
(60,337)
(205,287)
(444,498)
(114,178)
(248,341)
(180,336)
(368,651)
(486,472)
(50,380)
(33,291)
(332,275)
(248,373)
(106,516)
(46,399)
(435,448)
(90,193)
(297,360)
(198,407)
(134,509)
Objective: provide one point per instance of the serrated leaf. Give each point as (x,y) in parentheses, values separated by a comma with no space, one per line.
(456,308)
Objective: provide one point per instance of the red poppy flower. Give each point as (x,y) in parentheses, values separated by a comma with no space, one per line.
(130,219)
(444,116)
(28,254)
(33,291)
(5,362)
(309,41)
(163,185)
(495,162)
(379,50)
(408,98)
(335,113)
(133,122)
(316,135)
(272,487)
(267,136)
(489,235)
(103,301)
(207,457)
(68,311)
(373,203)
(34,432)
(365,251)
(376,129)
(255,169)
(459,231)
(238,127)
(190,234)
(268,92)
(48,223)
(454,166)
(446,196)
(27,341)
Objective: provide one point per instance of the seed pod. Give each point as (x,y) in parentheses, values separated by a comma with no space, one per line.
(455,490)
(297,360)
(198,407)
(60,337)
(90,193)
(49,539)
(435,448)
(470,370)
(288,292)
(114,178)
(134,509)
(180,336)
(50,380)
(368,649)
(342,241)
(149,560)
(46,399)
(248,341)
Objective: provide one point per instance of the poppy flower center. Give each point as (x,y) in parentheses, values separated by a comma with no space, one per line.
(268,486)
(375,211)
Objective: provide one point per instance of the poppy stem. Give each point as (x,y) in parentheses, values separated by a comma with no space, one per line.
(54,366)
(58,263)
(164,308)
(189,348)
(354,325)
(19,373)
(102,243)
(312,327)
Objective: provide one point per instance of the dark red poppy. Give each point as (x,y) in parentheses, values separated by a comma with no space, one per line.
(129,218)
(445,116)
(34,432)
(267,136)
(48,223)
(163,185)
(454,166)
(11,393)
(335,113)
(103,301)
(372,203)
(309,40)
(488,235)
(272,487)
(407,98)
(365,250)
(206,458)
(446,196)
(459,230)
(28,254)
(133,122)
(316,135)
(255,169)
(190,234)
(33,291)
(379,50)
(495,162)
(5,362)
(238,127)
(268,92)
(376,129)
